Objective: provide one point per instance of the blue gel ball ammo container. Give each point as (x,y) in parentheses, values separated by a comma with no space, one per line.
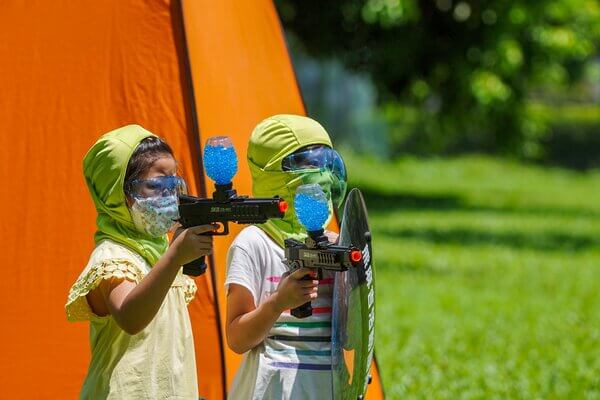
(312,208)
(220,159)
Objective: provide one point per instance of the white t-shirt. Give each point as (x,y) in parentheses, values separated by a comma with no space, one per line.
(294,361)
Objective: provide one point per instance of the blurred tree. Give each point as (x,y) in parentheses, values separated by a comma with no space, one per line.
(453,75)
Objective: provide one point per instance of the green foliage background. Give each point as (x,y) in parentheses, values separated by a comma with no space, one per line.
(455,76)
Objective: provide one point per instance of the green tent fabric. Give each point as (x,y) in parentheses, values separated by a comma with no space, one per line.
(104,167)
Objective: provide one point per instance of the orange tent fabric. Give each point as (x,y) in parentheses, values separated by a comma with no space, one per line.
(70,71)
(234,93)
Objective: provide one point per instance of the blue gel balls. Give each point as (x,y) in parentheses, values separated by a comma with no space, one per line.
(220,163)
(312,208)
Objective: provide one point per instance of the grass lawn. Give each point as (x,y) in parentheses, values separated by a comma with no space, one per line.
(488,278)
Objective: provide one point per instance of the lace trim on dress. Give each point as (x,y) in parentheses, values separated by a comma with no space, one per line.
(189,288)
(77,307)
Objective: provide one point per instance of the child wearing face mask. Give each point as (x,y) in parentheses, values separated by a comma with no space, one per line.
(285,357)
(132,290)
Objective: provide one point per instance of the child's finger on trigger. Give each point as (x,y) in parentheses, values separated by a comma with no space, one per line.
(200,229)
(301,273)
(204,246)
(205,239)
(309,284)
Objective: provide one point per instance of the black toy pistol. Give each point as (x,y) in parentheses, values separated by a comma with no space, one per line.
(220,163)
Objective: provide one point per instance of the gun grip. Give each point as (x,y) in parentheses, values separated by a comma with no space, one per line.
(303,311)
(196,267)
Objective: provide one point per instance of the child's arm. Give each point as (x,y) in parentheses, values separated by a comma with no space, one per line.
(133,305)
(248,325)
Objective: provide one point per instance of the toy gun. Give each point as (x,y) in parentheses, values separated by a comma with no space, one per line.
(220,164)
(316,252)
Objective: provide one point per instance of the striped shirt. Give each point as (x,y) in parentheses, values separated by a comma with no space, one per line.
(294,361)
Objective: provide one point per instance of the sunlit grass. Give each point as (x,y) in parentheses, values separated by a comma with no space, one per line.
(488,277)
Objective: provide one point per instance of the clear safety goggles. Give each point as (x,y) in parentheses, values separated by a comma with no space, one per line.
(159,186)
(322,158)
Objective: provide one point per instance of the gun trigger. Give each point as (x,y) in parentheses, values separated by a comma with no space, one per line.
(220,229)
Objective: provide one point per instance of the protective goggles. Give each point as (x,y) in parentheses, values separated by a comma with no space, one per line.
(159,186)
(322,158)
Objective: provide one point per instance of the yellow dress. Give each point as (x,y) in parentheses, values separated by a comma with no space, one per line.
(157,363)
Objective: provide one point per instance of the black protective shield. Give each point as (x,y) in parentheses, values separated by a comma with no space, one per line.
(353,307)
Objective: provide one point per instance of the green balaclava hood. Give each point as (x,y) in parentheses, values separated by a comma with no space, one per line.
(104,168)
(271,141)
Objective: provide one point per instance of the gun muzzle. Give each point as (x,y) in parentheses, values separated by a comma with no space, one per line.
(283,206)
(355,256)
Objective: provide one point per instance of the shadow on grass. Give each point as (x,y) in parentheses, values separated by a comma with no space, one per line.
(418,268)
(543,241)
(546,241)
(382,202)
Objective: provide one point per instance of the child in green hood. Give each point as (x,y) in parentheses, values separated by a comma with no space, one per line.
(285,357)
(132,290)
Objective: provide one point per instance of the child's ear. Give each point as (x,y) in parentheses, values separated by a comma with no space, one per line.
(128,201)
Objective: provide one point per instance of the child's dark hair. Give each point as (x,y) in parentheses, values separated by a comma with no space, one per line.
(149,150)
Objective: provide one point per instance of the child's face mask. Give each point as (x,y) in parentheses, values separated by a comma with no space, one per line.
(155,215)
(155,206)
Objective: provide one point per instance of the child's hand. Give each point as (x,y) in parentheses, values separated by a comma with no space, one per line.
(189,244)
(332,236)
(293,291)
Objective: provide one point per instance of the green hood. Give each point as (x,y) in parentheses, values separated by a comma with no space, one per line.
(104,168)
(271,141)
